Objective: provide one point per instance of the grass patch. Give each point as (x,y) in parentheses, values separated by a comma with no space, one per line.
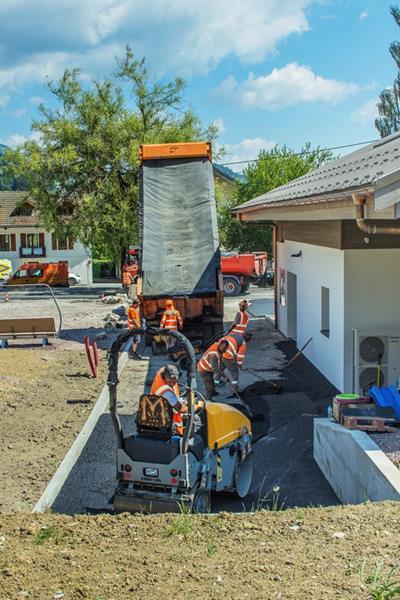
(180,525)
(382,584)
(211,549)
(49,533)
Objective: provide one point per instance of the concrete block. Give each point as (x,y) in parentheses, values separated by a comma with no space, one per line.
(353,464)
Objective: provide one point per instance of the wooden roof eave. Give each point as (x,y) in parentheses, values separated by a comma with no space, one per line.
(335,206)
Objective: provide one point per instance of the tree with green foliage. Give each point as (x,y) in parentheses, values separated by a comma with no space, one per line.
(272,169)
(389,105)
(83,172)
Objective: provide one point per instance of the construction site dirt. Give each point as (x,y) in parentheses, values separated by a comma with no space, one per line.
(46,396)
(311,553)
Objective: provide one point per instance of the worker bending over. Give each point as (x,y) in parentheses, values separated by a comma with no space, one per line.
(134,322)
(165,384)
(240,322)
(210,367)
(233,357)
(172,320)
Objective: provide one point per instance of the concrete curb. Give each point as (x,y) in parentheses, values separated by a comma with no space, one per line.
(60,476)
(354,465)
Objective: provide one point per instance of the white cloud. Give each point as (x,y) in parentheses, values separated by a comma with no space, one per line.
(220,124)
(283,87)
(367,113)
(4,100)
(245,150)
(363,15)
(175,35)
(16,139)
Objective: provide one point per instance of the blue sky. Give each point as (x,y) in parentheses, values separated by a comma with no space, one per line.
(266,71)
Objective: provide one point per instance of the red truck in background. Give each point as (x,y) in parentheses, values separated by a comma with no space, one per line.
(238,270)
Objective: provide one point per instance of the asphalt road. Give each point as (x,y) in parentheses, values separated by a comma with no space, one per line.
(283,448)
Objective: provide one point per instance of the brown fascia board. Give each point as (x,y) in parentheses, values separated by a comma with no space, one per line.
(308,200)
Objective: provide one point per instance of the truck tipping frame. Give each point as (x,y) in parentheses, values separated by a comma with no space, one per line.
(179,255)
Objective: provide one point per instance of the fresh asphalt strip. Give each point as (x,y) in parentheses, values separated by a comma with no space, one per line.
(283,451)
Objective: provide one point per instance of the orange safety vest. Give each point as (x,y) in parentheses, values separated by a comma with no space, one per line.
(204,363)
(171,319)
(133,317)
(236,349)
(158,387)
(241,327)
(126,278)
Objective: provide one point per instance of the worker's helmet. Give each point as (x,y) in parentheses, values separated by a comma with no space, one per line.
(135,301)
(169,303)
(171,372)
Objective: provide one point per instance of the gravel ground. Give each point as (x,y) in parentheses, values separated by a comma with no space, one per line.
(389,443)
(81,309)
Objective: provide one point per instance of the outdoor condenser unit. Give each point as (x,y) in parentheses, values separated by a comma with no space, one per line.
(373,351)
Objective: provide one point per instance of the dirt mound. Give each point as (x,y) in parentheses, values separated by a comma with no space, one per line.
(297,554)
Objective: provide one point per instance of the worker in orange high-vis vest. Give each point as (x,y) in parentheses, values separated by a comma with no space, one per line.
(241,320)
(127,281)
(171,319)
(134,322)
(210,367)
(165,384)
(233,358)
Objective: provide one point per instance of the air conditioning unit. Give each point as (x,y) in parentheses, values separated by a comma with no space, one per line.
(375,351)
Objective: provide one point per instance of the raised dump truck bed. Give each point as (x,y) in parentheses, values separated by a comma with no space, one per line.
(179,247)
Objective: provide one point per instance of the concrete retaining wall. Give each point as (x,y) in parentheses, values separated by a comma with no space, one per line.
(353,464)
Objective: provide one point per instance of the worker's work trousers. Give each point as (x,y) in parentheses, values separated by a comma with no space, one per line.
(208,381)
(233,369)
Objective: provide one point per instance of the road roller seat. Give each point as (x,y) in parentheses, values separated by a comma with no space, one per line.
(153,443)
(154,417)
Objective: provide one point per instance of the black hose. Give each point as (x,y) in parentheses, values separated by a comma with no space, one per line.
(112,380)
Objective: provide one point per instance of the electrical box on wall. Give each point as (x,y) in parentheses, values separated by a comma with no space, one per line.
(376,358)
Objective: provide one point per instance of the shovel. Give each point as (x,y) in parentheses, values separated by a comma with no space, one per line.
(250,415)
(276,386)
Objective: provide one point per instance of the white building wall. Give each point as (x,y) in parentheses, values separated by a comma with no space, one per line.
(79,258)
(372,295)
(318,266)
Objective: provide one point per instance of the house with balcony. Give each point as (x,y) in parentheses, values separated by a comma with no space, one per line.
(23,238)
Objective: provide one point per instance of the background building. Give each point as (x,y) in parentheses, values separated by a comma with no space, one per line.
(23,238)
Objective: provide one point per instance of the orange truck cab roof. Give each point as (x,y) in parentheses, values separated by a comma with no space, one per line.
(179,150)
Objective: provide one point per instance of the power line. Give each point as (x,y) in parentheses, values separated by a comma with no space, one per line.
(239,162)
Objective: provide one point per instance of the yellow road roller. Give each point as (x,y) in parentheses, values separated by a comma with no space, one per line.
(158,471)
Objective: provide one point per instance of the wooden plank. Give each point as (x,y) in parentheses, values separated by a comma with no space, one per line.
(321,233)
(354,238)
(35,326)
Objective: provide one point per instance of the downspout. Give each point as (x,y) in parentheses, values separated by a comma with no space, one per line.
(275,254)
(362,224)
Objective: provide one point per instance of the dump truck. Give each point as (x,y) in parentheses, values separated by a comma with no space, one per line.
(179,255)
(241,270)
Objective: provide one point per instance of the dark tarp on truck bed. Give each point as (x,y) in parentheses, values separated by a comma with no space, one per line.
(178,227)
